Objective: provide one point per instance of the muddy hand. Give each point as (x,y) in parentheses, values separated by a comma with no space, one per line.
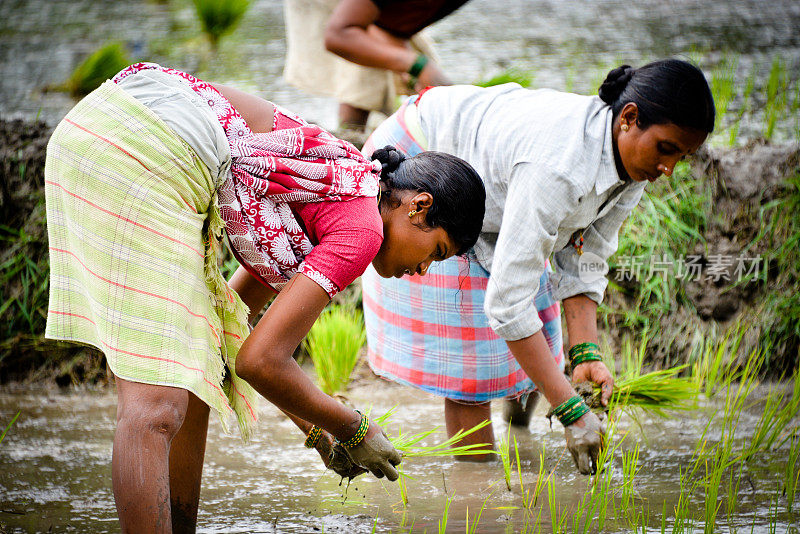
(376,453)
(597,373)
(584,441)
(335,457)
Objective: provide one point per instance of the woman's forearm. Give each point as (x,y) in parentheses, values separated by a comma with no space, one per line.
(356,44)
(536,359)
(351,34)
(580,313)
(265,359)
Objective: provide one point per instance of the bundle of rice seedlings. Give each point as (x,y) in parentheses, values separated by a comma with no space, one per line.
(657,393)
(522,77)
(97,68)
(410,444)
(219,17)
(334,344)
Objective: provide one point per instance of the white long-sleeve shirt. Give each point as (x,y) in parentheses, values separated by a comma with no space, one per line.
(547,161)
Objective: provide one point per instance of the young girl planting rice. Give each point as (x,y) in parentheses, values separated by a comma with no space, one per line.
(141,177)
(562,172)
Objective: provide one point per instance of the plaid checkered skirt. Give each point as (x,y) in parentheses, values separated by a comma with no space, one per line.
(132,224)
(431,331)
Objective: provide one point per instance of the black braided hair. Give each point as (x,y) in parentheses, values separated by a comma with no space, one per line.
(458,193)
(665,91)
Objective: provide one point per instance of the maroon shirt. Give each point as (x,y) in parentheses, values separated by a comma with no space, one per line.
(404,18)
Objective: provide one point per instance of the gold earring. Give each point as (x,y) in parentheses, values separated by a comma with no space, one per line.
(412,213)
(624,127)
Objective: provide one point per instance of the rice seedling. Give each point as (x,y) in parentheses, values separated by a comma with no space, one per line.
(101,65)
(219,17)
(401,484)
(656,392)
(791,475)
(630,469)
(749,86)
(334,344)
(777,84)
(13,419)
(443,521)
(715,367)
(473,528)
(410,445)
(522,77)
(558,514)
(505,455)
(722,86)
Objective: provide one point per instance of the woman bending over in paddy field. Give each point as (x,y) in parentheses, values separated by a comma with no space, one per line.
(562,173)
(142,177)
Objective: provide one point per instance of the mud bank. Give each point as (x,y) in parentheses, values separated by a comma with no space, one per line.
(750,192)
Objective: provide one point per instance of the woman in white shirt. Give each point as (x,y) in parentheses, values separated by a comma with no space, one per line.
(562,172)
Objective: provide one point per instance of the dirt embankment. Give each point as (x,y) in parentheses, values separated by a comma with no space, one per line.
(745,220)
(743,182)
(24,267)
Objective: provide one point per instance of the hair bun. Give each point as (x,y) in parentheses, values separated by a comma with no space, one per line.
(615,83)
(390,158)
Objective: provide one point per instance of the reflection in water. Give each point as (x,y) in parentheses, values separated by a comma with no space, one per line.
(55,471)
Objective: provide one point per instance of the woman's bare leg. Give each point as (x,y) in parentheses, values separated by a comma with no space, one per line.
(518,415)
(148,418)
(186,454)
(465,416)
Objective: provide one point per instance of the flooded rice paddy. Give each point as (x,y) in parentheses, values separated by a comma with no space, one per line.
(55,473)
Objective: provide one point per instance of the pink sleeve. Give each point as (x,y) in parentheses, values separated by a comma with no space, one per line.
(347,234)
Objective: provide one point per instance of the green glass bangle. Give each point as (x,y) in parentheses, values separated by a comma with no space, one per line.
(566,406)
(583,358)
(363,427)
(583,347)
(313,437)
(416,68)
(576,413)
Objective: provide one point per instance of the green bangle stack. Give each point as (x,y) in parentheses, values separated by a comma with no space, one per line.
(363,426)
(313,437)
(584,352)
(416,68)
(571,410)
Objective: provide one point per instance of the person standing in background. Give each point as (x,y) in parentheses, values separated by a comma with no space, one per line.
(381,51)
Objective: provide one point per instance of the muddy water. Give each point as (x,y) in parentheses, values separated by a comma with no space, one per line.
(55,472)
(566,44)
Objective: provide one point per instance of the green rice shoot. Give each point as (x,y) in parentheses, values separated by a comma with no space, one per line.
(657,392)
(101,65)
(219,17)
(334,345)
(410,445)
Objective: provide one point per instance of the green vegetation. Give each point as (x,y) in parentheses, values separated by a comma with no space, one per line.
(220,17)
(334,344)
(97,68)
(776,89)
(410,445)
(505,455)
(522,77)
(13,419)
